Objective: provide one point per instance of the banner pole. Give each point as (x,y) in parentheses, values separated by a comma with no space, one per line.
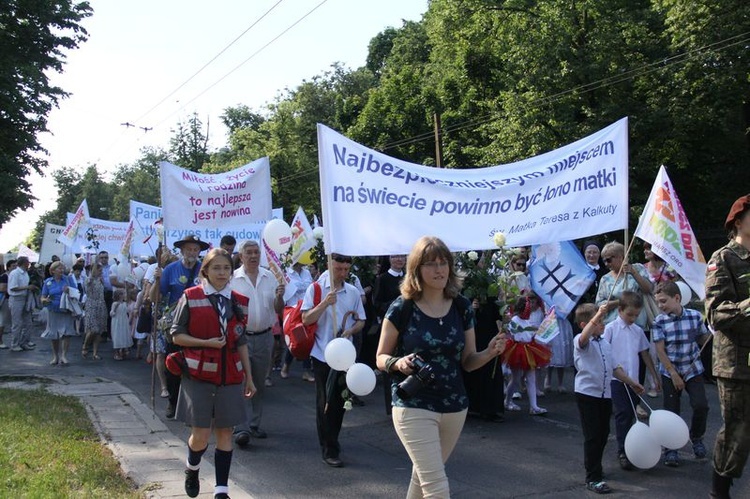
(333,288)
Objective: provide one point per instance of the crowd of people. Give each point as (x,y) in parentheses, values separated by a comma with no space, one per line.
(213,329)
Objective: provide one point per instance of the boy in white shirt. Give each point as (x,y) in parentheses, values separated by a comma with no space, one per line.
(595,369)
(628,342)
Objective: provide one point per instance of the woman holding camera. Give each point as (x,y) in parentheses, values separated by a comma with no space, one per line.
(427,337)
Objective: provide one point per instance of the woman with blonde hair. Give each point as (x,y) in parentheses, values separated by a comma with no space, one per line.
(427,337)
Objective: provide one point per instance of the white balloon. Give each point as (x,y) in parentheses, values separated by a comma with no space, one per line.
(340,354)
(641,446)
(669,429)
(360,379)
(685,292)
(278,236)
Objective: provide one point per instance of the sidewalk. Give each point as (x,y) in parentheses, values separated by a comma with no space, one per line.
(149,453)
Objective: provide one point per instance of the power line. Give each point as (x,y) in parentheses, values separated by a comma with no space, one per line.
(209,62)
(243,62)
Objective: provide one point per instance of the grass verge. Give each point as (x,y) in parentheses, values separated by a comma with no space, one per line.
(49,448)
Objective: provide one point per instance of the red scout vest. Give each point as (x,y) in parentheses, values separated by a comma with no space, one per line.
(214,365)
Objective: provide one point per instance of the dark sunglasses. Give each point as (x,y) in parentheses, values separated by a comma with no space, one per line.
(520,264)
(608,259)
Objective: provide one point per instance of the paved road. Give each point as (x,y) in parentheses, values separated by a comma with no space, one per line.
(523,457)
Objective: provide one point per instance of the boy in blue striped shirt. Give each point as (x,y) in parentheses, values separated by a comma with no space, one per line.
(677,334)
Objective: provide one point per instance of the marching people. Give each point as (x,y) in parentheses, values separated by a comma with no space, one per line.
(19,287)
(266,297)
(342,297)
(5,323)
(173,280)
(300,279)
(96,312)
(427,337)
(60,326)
(727,302)
(209,324)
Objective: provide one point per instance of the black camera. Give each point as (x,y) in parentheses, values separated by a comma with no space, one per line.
(423,376)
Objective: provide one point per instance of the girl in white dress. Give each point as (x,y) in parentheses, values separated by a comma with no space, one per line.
(121,338)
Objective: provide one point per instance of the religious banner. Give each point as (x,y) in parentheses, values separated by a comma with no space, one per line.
(145,242)
(100,235)
(50,242)
(664,224)
(75,225)
(377,205)
(559,275)
(193,201)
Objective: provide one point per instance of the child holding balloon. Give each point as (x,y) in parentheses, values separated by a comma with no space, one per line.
(677,332)
(595,369)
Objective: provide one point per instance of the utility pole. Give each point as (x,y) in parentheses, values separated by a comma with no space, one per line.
(438,143)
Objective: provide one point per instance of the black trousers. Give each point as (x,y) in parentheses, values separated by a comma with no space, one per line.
(108,299)
(595,414)
(696,390)
(328,420)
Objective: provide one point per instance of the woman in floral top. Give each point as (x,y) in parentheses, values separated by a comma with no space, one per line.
(430,320)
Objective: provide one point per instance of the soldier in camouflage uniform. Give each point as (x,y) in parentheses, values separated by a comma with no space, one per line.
(728,309)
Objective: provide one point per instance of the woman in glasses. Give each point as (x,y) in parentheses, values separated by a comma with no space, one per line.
(427,337)
(622,276)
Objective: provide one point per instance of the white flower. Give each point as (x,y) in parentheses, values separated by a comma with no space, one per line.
(473,256)
(318,232)
(499,239)
(348,405)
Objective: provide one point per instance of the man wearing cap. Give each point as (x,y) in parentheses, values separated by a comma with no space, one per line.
(172,281)
(266,297)
(343,297)
(728,310)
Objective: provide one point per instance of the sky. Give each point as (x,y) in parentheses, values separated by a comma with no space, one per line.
(139,62)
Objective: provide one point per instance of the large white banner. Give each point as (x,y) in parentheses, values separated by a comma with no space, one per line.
(50,244)
(665,225)
(377,205)
(192,201)
(145,240)
(100,235)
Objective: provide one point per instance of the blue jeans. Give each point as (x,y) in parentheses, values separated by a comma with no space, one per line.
(624,411)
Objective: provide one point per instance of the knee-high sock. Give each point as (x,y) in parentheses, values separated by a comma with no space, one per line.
(222,462)
(194,457)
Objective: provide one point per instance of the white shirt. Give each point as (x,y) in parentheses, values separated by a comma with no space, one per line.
(260,312)
(347,298)
(18,278)
(150,271)
(594,366)
(627,342)
(299,283)
(355,282)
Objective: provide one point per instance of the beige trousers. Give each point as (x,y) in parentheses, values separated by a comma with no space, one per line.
(429,438)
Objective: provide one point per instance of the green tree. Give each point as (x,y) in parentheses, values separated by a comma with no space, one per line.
(34,35)
(138,182)
(188,147)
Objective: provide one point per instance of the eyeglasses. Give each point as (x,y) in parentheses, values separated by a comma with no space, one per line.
(342,259)
(520,264)
(435,265)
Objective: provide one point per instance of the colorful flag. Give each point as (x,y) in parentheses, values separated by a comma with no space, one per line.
(665,225)
(74,228)
(548,329)
(559,275)
(302,235)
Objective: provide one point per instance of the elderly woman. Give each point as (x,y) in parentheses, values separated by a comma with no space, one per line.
(429,330)
(95,318)
(60,325)
(622,276)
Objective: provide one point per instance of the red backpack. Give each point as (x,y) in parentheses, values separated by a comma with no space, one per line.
(300,338)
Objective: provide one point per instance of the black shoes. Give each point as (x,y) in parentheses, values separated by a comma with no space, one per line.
(625,462)
(242,438)
(333,462)
(257,433)
(221,495)
(192,483)
(170,411)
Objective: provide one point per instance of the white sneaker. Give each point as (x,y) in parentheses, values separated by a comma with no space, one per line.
(510,406)
(516,395)
(3,346)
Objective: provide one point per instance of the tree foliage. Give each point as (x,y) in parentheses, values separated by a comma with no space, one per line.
(34,35)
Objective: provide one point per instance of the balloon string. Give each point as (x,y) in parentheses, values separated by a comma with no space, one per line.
(646,403)
(630,397)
